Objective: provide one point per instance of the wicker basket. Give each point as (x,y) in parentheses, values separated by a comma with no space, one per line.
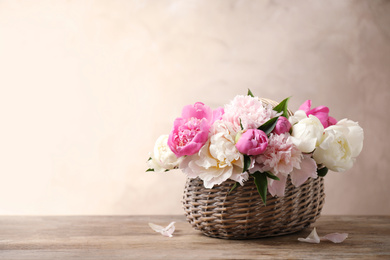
(242,215)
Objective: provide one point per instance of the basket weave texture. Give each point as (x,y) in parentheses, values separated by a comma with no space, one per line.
(241,214)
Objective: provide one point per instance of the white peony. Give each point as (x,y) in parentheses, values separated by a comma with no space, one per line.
(218,160)
(353,132)
(340,145)
(298,116)
(162,157)
(307,132)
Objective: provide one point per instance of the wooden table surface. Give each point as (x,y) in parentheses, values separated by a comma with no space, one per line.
(130,237)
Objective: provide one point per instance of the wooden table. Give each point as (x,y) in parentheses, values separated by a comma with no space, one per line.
(129,237)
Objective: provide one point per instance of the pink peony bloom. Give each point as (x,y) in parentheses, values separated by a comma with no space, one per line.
(307,168)
(280,157)
(190,132)
(282,126)
(251,112)
(283,158)
(321,112)
(252,142)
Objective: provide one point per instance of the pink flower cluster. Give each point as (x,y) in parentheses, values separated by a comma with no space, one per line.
(216,145)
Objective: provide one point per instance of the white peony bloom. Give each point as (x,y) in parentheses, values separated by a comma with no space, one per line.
(307,133)
(340,145)
(162,157)
(353,132)
(298,116)
(218,160)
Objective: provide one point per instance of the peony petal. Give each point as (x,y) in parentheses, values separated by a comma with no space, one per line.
(216,177)
(239,176)
(306,146)
(308,169)
(332,121)
(198,110)
(312,238)
(335,237)
(277,187)
(217,114)
(165,231)
(306,105)
(319,109)
(188,166)
(298,116)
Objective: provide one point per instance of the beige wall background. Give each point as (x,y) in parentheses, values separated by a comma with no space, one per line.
(88,86)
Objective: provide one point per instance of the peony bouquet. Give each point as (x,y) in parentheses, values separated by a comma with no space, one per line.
(250,137)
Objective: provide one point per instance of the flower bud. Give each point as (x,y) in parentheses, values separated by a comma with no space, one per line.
(252,142)
(282,126)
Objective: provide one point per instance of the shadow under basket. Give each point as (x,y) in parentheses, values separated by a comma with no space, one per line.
(241,214)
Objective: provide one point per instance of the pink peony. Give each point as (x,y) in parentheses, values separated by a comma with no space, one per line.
(321,112)
(280,157)
(307,168)
(252,142)
(251,112)
(190,132)
(283,158)
(282,126)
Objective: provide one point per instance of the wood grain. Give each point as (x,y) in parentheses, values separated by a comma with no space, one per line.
(129,237)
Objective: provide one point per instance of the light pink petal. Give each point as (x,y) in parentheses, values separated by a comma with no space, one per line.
(335,237)
(240,177)
(312,238)
(165,231)
(217,114)
(185,167)
(277,187)
(308,169)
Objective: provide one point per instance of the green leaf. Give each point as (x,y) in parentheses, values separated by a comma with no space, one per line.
(268,126)
(250,93)
(234,186)
(261,183)
(282,107)
(272,176)
(150,158)
(322,171)
(150,170)
(247,162)
(242,128)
